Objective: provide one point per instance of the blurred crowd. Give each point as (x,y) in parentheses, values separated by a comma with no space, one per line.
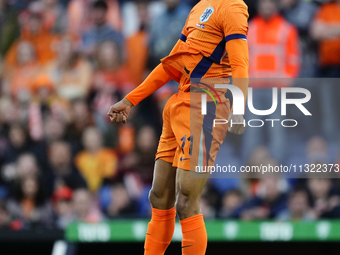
(64,63)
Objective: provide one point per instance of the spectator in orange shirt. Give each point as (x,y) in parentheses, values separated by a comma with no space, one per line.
(70,72)
(33,31)
(326,30)
(111,80)
(111,72)
(18,77)
(95,163)
(45,103)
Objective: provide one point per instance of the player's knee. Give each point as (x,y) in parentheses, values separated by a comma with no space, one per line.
(158,200)
(186,206)
(154,197)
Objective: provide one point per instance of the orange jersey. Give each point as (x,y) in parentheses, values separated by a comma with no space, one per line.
(329,49)
(201,51)
(189,138)
(201,54)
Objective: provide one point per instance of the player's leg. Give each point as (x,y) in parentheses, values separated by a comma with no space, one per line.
(162,195)
(198,142)
(162,199)
(189,187)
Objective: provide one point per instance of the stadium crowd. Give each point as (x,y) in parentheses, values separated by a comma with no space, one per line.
(64,63)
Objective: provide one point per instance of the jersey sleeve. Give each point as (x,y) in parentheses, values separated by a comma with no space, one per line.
(156,79)
(239,62)
(184,33)
(235,21)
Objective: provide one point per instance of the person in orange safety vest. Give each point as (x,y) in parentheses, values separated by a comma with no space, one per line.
(273,44)
(274,59)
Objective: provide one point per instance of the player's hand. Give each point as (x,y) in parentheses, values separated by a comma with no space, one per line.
(119,112)
(240,127)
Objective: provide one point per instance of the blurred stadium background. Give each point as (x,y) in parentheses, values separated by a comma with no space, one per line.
(71,183)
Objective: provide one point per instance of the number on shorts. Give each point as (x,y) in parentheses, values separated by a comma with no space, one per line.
(184,139)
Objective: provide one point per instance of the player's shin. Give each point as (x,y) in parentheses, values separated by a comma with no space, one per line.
(160,231)
(194,235)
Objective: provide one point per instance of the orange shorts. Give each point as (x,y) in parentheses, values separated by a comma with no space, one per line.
(189,139)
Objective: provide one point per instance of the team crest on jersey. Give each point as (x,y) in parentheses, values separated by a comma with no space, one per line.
(206,14)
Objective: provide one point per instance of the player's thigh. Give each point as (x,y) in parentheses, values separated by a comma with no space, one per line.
(189,188)
(162,193)
(181,126)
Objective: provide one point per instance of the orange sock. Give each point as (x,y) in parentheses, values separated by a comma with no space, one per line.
(194,235)
(160,231)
